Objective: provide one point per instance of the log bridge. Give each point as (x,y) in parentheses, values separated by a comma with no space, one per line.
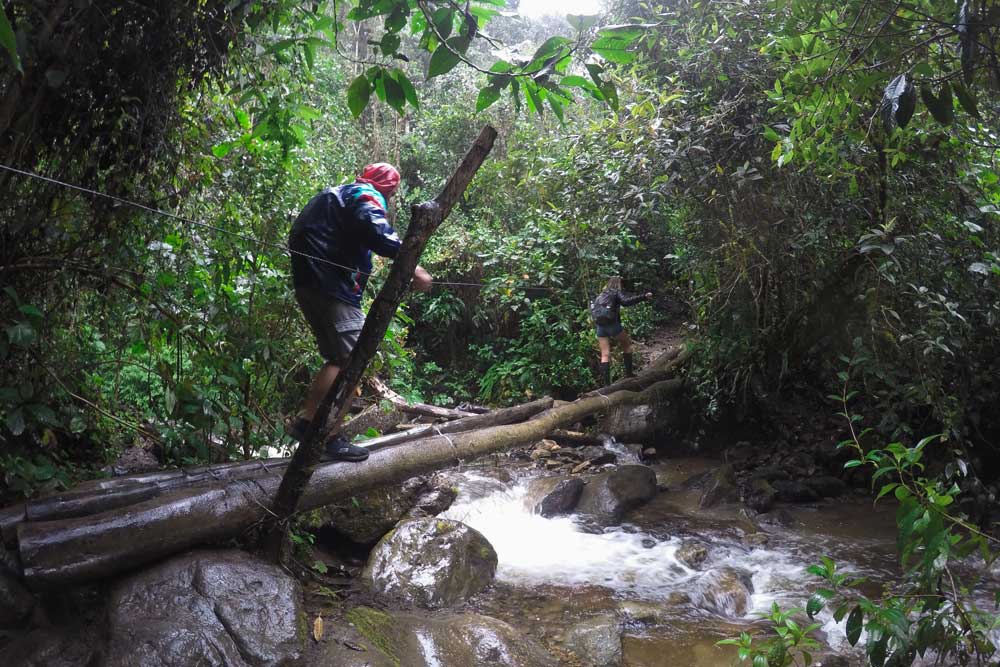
(105,527)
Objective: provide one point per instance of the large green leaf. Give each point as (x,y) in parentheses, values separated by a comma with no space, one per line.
(966,99)
(549,48)
(444,19)
(389,43)
(395,96)
(358,94)
(408,90)
(941,106)
(447,55)
(614,49)
(8,41)
(488,95)
(854,625)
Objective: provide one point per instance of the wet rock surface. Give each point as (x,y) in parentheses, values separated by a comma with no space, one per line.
(607,496)
(725,591)
(692,554)
(16,602)
(431,563)
(760,495)
(365,518)
(54,647)
(379,639)
(720,487)
(596,641)
(552,496)
(205,607)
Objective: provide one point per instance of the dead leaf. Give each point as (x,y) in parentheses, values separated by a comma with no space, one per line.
(318,628)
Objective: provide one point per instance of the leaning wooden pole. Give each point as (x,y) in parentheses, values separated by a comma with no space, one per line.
(78,550)
(424,220)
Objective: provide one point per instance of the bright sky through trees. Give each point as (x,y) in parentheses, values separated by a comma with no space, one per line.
(558,7)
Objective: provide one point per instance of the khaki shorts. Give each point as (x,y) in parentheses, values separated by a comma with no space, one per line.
(336,325)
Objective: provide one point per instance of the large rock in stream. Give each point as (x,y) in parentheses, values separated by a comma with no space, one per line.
(641,423)
(410,640)
(596,641)
(725,591)
(607,496)
(431,562)
(552,496)
(205,608)
(361,521)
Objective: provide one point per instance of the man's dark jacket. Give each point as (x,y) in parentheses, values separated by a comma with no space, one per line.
(343,225)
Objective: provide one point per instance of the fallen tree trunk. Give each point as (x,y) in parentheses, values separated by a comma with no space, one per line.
(110,494)
(518,413)
(575,439)
(422,409)
(663,367)
(71,551)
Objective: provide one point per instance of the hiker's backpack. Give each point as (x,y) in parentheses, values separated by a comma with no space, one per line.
(601,311)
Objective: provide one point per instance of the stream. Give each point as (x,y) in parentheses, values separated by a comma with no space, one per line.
(553,574)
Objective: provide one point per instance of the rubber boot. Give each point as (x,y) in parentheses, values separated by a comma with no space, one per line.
(629,371)
(605,367)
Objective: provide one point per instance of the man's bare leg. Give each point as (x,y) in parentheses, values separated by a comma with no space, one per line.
(321,384)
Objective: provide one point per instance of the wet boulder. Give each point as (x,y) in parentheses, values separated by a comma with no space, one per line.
(795,491)
(205,607)
(725,591)
(475,485)
(771,473)
(639,613)
(720,487)
(433,502)
(53,647)
(596,455)
(552,496)
(759,495)
(362,520)
(645,423)
(596,641)
(431,562)
(779,517)
(692,554)
(826,486)
(607,496)
(15,601)
(443,640)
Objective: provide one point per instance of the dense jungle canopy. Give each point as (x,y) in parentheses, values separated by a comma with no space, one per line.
(810,188)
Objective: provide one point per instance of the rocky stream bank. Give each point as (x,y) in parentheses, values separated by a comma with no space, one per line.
(596,555)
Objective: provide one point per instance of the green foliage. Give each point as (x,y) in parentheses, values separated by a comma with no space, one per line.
(936,609)
(789,644)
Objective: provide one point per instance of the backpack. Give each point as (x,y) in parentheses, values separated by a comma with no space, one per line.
(601,312)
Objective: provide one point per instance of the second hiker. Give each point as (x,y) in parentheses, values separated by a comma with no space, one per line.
(605,310)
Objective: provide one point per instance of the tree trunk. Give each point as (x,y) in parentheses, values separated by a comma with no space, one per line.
(72,551)
(110,494)
(425,219)
(512,415)
(422,409)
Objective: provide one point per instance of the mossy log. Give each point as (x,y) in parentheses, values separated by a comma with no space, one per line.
(77,550)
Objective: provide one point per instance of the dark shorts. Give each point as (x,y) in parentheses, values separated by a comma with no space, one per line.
(609,330)
(335,324)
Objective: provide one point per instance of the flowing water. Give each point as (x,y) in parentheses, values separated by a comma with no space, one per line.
(553,574)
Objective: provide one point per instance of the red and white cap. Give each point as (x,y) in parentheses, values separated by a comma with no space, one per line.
(382,176)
